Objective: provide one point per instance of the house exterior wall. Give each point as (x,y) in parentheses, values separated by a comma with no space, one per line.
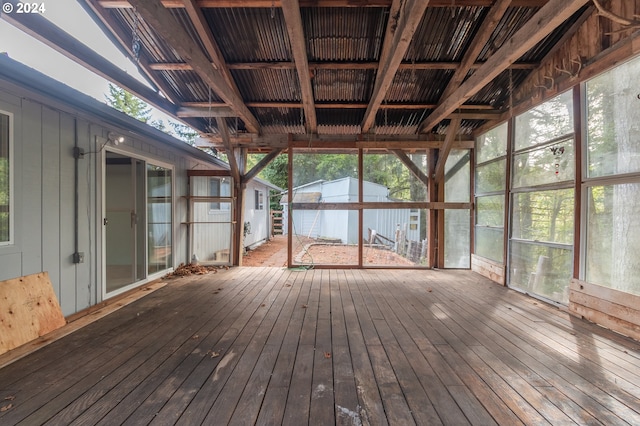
(44,134)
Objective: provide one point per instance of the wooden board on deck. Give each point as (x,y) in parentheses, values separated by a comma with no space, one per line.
(488,268)
(614,309)
(28,309)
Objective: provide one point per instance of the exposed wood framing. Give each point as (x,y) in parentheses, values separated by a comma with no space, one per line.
(492,19)
(413,168)
(181,66)
(400,29)
(485,110)
(206,112)
(204,32)
(548,18)
(261,165)
(454,125)
(321,3)
(382,205)
(124,39)
(293,20)
(160,18)
(231,156)
(46,32)
(267,143)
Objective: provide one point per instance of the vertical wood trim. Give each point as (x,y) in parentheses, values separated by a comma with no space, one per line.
(360,210)
(578,91)
(289,210)
(432,213)
(472,210)
(241,187)
(507,198)
(441,232)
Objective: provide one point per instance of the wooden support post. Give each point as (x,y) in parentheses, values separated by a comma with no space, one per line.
(432,229)
(240,186)
(289,203)
(360,210)
(441,227)
(578,93)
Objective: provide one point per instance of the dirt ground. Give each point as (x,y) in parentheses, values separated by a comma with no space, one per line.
(274,253)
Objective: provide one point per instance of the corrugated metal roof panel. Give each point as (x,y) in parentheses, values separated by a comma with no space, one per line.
(398,122)
(280,120)
(343,85)
(443,34)
(496,93)
(263,85)
(152,45)
(189,86)
(250,34)
(511,22)
(336,122)
(419,86)
(344,33)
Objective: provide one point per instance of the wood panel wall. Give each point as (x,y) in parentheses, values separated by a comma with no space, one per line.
(596,44)
(488,268)
(616,310)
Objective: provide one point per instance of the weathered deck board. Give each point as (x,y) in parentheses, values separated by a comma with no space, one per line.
(275,346)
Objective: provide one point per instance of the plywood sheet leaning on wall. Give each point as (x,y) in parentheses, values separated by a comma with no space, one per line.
(28,309)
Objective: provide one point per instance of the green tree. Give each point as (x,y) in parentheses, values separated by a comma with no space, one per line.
(128,103)
(184,132)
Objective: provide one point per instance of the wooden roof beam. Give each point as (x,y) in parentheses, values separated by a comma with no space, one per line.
(454,125)
(404,19)
(293,21)
(548,18)
(413,168)
(468,110)
(481,38)
(261,165)
(181,66)
(206,36)
(223,130)
(319,3)
(189,112)
(175,35)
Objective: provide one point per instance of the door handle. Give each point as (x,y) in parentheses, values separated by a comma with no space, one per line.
(105,221)
(134,218)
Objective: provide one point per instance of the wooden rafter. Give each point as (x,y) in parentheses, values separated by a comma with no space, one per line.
(48,33)
(454,125)
(293,21)
(168,28)
(481,109)
(261,165)
(413,168)
(489,24)
(231,155)
(204,32)
(125,41)
(548,18)
(320,3)
(400,29)
(222,111)
(181,66)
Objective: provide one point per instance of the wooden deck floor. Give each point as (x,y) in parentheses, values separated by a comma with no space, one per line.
(271,346)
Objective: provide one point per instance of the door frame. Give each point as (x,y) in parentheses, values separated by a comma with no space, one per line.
(103,214)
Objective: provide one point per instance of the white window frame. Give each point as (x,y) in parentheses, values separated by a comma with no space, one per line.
(218,206)
(10,241)
(259,199)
